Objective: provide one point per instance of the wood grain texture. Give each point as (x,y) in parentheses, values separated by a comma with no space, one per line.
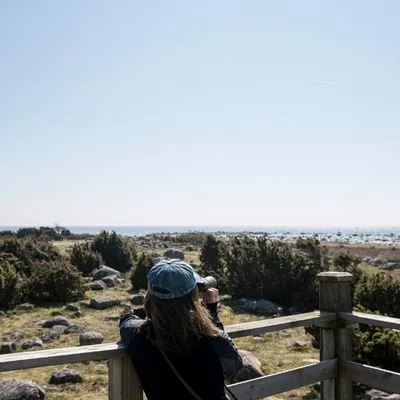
(370,319)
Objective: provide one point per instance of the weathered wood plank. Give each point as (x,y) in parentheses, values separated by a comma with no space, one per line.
(277,324)
(370,319)
(374,377)
(123,383)
(66,355)
(284,381)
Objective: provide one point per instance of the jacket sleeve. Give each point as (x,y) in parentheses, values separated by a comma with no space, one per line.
(128,328)
(223,345)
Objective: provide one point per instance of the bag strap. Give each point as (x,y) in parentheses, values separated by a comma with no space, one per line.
(184,383)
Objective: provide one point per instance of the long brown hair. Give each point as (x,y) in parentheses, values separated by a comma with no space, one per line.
(178,323)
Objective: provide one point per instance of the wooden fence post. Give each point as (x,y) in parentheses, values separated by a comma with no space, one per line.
(335,296)
(123,383)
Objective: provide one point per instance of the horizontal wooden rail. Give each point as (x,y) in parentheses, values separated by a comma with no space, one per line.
(283,381)
(66,355)
(370,319)
(377,378)
(43,358)
(278,324)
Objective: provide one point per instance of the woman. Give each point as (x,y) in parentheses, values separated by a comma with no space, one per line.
(177,343)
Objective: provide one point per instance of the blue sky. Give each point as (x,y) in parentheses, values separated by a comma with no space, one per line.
(273,113)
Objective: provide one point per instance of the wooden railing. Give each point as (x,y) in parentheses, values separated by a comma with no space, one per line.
(335,371)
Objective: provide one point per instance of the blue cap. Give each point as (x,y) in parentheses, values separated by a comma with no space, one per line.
(169,279)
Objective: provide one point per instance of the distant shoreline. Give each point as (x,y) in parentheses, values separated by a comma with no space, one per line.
(373,235)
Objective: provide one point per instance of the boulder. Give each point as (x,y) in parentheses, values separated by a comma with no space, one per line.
(101,303)
(111,280)
(104,271)
(137,299)
(376,262)
(251,367)
(98,285)
(174,253)
(75,329)
(30,344)
(50,336)
(65,375)
(90,338)
(8,347)
(261,306)
(73,307)
(59,320)
(20,389)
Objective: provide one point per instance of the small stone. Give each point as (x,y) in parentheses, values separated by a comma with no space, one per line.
(50,336)
(29,344)
(59,320)
(13,337)
(73,307)
(257,339)
(300,346)
(8,347)
(21,389)
(90,338)
(75,329)
(59,328)
(110,281)
(137,299)
(65,375)
(25,306)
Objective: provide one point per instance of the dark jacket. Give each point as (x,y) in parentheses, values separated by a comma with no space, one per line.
(210,361)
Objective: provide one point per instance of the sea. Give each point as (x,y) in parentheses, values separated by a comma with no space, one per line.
(387,235)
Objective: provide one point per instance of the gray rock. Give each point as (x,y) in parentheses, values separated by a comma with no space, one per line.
(174,253)
(300,346)
(98,285)
(78,314)
(90,338)
(75,329)
(50,336)
(101,303)
(251,367)
(261,306)
(391,266)
(8,347)
(3,314)
(84,303)
(29,344)
(65,375)
(137,299)
(379,395)
(59,320)
(104,271)
(73,307)
(366,260)
(13,337)
(376,262)
(59,328)
(17,389)
(111,281)
(25,306)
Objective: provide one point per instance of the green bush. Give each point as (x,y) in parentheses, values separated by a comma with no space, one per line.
(193,238)
(56,281)
(84,259)
(10,282)
(275,271)
(379,292)
(139,273)
(114,250)
(213,260)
